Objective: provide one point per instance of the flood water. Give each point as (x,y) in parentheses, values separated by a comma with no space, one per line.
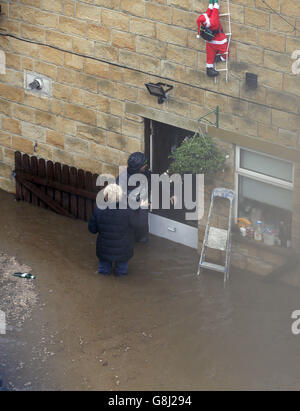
(159,328)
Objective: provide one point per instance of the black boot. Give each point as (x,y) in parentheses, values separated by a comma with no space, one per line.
(211,72)
(218,59)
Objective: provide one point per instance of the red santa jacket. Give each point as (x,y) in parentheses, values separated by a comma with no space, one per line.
(211,20)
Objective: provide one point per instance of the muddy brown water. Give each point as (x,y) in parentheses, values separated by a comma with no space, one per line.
(159,328)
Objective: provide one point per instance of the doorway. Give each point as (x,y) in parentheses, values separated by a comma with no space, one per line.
(160,141)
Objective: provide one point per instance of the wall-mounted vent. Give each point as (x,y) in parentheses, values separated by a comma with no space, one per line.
(38,84)
(251,81)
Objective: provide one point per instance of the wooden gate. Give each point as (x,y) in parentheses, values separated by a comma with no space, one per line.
(61,188)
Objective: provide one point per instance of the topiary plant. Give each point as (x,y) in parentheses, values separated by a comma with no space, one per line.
(197,155)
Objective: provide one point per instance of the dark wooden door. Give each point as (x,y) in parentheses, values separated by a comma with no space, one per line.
(165,139)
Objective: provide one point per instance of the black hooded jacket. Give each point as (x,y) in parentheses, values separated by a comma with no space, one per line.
(115,230)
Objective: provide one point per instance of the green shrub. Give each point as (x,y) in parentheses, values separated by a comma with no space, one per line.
(197,155)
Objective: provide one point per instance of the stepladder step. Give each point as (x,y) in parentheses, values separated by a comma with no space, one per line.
(217,238)
(213,267)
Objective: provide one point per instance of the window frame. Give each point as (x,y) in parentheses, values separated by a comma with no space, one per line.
(239,171)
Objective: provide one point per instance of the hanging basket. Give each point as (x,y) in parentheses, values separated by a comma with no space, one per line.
(197,155)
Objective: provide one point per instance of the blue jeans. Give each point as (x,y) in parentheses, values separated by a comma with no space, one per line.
(105,267)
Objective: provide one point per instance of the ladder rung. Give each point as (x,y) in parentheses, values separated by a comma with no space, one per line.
(228,34)
(225,14)
(222,69)
(214,267)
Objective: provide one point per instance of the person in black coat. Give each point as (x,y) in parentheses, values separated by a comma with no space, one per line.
(137,164)
(115,227)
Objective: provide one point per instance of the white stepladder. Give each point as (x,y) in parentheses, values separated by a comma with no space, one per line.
(218,238)
(228,35)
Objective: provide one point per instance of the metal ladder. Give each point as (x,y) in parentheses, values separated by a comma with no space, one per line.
(217,238)
(228,35)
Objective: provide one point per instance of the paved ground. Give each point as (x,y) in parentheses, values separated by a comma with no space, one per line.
(160,328)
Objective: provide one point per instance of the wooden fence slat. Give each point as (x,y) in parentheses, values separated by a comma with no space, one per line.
(95,189)
(89,187)
(50,177)
(34,172)
(26,168)
(81,201)
(65,180)
(73,183)
(18,170)
(57,177)
(42,174)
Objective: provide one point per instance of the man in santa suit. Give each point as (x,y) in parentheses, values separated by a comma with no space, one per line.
(211,30)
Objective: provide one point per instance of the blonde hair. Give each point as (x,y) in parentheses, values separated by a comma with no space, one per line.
(113,193)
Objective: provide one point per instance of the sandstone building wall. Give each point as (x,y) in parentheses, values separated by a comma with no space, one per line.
(94,117)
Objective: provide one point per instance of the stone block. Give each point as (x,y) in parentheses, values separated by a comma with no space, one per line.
(104,154)
(72,26)
(81,114)
(132,128)
(172,35)
(45,19)
(59,40)
(22,144)
(12,93)
(123,40)
(11,125)
(49,70)
(257,18)
(96,68)
(109,122)
(98,33)
(82,46)
(5,139)
(115,19)
(51,55)
(96,101)
(142,27)
(106,52)
(133,7)
(151,47)
(91,133)
(158,12)
(33,132)
(117,141)
(76,145)
(54,139)
(87,12)
(45,119)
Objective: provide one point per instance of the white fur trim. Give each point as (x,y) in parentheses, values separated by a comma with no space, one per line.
(216,6)
(198,37)
(218,42)
(207,20)
(209,65)
(211,6)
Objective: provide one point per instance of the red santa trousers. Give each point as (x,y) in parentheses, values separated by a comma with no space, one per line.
(213,49)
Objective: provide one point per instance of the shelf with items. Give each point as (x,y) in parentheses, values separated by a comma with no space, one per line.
(264,223)
(262,247)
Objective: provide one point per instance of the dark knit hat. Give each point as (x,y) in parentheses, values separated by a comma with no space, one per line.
(135,162)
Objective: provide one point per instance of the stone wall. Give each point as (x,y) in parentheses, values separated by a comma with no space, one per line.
(85,123)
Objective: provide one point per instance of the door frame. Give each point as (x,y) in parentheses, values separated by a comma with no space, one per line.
(161,226)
